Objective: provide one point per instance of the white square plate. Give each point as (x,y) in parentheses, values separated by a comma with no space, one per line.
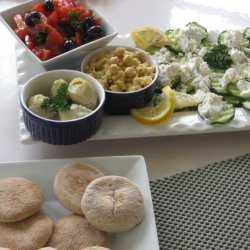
(66,59)
(42,172)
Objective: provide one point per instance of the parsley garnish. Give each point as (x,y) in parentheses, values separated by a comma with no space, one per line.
(218,57)
(60,102)
(40,37)
(74,15)
(75,21)
(91,12)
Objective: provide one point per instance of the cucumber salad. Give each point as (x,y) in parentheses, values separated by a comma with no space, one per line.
(216,73)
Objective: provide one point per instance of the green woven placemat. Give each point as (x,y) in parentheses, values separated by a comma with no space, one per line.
(206,208)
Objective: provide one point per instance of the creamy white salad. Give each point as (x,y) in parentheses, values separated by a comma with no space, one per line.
(217,73)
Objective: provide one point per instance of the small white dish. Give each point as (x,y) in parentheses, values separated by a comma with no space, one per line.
(42,172)
(67,59)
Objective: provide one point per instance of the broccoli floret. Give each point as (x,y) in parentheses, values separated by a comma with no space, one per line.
(218,57)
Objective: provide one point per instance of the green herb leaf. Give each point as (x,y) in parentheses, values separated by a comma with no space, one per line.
(218,57)
(60,102)
(74,15)
(91,12)
(40,37)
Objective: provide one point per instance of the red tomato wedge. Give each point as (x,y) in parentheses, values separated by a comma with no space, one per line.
(53,19)
(29,42)
(20,23)
(38,7)
(54,39)
(43,54)
(77,39)
(21,32)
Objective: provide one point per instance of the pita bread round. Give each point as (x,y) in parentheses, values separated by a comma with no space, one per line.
(113,204)
(46,248)
(70,183)
(29,234)
(95,248)
(19,199)
(74,232)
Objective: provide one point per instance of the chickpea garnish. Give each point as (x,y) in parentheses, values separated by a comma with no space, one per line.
(120,51)
(114,60)
(127,60)
(130,72)
(114,69)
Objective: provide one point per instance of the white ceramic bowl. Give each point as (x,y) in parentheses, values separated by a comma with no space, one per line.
(67,59)
(119,103)
(54,131)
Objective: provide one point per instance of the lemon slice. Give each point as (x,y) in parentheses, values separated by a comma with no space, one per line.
(148,36)
(160,112)
(183,100)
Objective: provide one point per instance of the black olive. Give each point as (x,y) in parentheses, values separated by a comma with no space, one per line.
(68,45)
(95,32)
(48,5)
(32,18)
(87,23)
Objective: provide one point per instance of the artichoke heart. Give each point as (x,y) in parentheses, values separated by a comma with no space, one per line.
(76,111)
(81,92)
(35,103)
(55,86)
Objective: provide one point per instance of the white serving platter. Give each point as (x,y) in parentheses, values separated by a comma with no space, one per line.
(42,172)
(125,126)
(164,14)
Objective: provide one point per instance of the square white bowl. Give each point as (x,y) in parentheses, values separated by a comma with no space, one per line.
(42,172)
(67,59)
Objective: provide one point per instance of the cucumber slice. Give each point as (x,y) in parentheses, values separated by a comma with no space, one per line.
(195,24)
(173,39)
(233,90)
(246,33)
(217,88)
(152,49)
(246,105)
(235,101)
(225,116)
(186,87)
(221,37)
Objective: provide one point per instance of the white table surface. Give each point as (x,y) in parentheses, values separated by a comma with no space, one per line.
(164,156)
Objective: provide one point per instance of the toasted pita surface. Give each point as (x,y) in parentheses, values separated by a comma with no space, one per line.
(71,182)
(113,204)
(29,234)
(75,232)
(95,248)
(19,199)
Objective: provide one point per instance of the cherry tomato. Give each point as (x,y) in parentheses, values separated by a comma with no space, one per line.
(29,42)
(20,23)
(21,33)
(43,54)
(98,20)
(63,14)
(38,7)
(53,19)
(77,39)
(54,39)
